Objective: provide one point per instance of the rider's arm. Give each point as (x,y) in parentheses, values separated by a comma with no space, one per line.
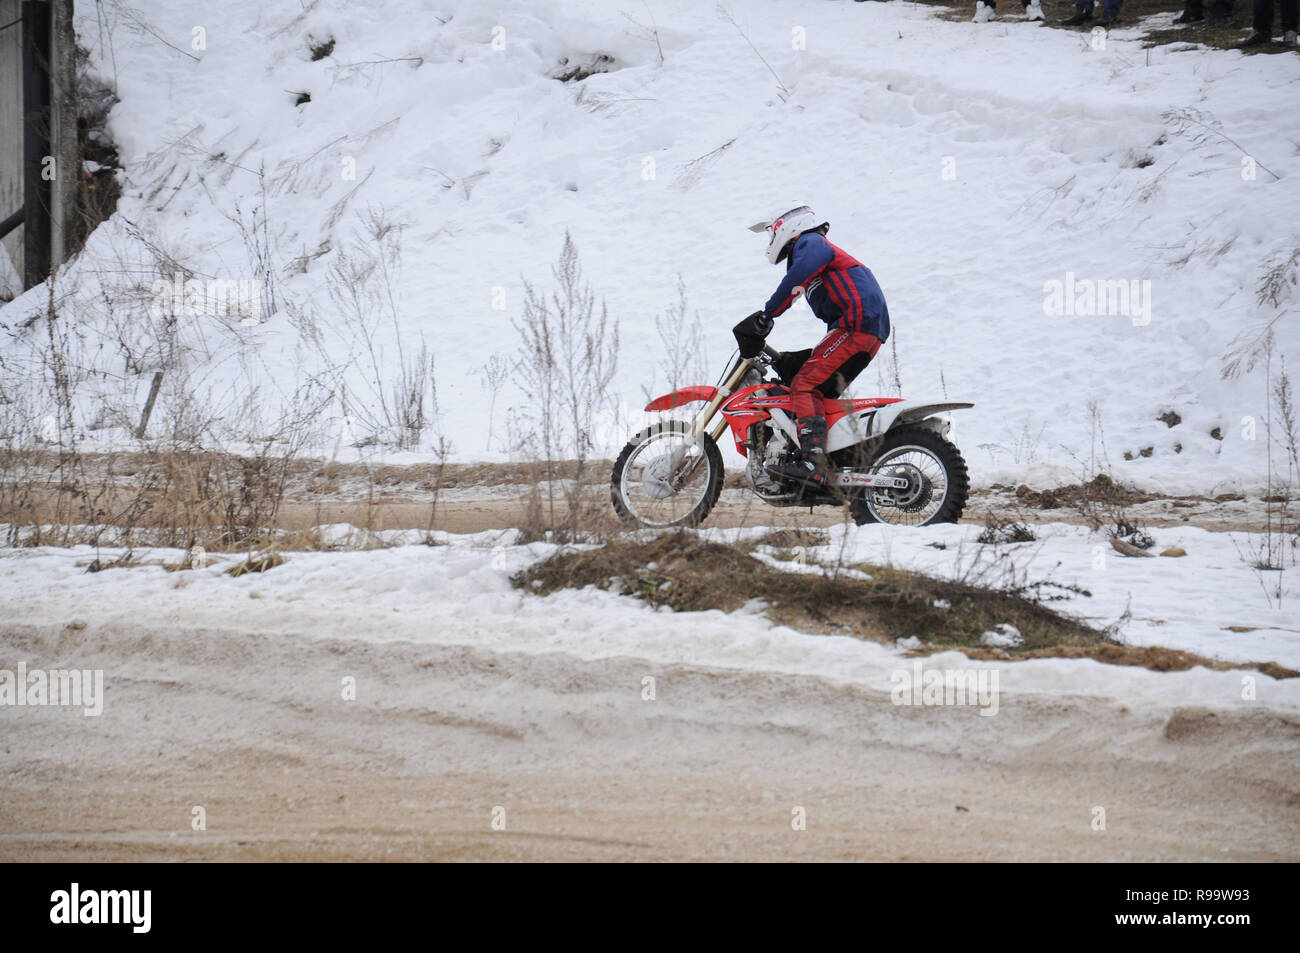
(810,256)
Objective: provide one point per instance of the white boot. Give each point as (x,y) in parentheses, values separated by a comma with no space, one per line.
(983,13)
(1034,11)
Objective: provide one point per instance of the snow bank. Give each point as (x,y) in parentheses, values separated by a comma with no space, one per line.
(459,593)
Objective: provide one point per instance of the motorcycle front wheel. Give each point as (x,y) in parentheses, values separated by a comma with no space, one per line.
(663,478)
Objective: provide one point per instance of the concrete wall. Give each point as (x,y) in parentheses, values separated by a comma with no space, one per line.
(63,127)
(11,130)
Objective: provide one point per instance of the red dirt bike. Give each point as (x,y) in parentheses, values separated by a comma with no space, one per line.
(891,458)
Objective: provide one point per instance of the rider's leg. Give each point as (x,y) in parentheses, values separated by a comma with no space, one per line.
(808,463)
(841,379)
(834,362)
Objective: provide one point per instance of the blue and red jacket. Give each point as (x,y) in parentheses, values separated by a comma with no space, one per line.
(840,289)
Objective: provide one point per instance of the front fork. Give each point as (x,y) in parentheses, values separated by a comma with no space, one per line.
(682,468)
(711,408)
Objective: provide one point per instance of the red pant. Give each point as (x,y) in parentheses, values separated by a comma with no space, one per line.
(835,361)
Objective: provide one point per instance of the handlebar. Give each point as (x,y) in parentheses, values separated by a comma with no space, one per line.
(765,356)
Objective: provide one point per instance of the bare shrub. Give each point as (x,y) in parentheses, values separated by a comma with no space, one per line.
(1273,290)
(1023,448)
(684,357)
(1278,279)
(253,224)
(495,374)
(726,14)
(362,287)
(415,398)
(567,357)
(1101,500)
(1267,555)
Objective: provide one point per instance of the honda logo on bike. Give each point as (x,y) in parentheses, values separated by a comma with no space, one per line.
(751,402)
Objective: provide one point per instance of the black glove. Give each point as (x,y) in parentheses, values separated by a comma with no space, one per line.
(751,333)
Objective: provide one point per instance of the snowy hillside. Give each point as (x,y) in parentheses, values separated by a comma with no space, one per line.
(969,166)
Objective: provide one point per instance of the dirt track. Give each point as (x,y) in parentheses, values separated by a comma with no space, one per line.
(251,728)
(466,513)
(469,498)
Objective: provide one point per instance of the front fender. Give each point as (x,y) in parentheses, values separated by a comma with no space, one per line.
(682,397)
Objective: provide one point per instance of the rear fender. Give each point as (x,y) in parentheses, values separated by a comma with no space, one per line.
(911,412)
(876,421)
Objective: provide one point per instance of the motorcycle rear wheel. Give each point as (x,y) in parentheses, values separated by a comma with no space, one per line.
(940,481)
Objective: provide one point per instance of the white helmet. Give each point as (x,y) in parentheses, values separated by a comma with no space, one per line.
(786,227)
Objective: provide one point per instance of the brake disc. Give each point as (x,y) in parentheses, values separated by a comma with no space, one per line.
(657,481)
(665,475)
(918,493)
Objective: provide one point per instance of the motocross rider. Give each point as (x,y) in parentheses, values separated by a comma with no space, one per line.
(843,293)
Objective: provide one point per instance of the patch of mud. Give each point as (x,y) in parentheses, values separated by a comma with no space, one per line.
(1101,489)
(1154,657)
(1206,725)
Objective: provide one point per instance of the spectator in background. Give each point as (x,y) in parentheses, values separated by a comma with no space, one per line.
(1263,23)
(1083,13)
(1220,10)
(986,9)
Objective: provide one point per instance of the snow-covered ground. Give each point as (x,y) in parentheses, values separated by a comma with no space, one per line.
(1185,602)
(458,593)
(969,166)
(391,704)
(388,704)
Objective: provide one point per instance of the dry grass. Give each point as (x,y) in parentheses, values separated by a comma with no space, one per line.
(792,538)
(1220,36)
(1005,528)
(256,562)
(306,475)
(688,574)
(217,500)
